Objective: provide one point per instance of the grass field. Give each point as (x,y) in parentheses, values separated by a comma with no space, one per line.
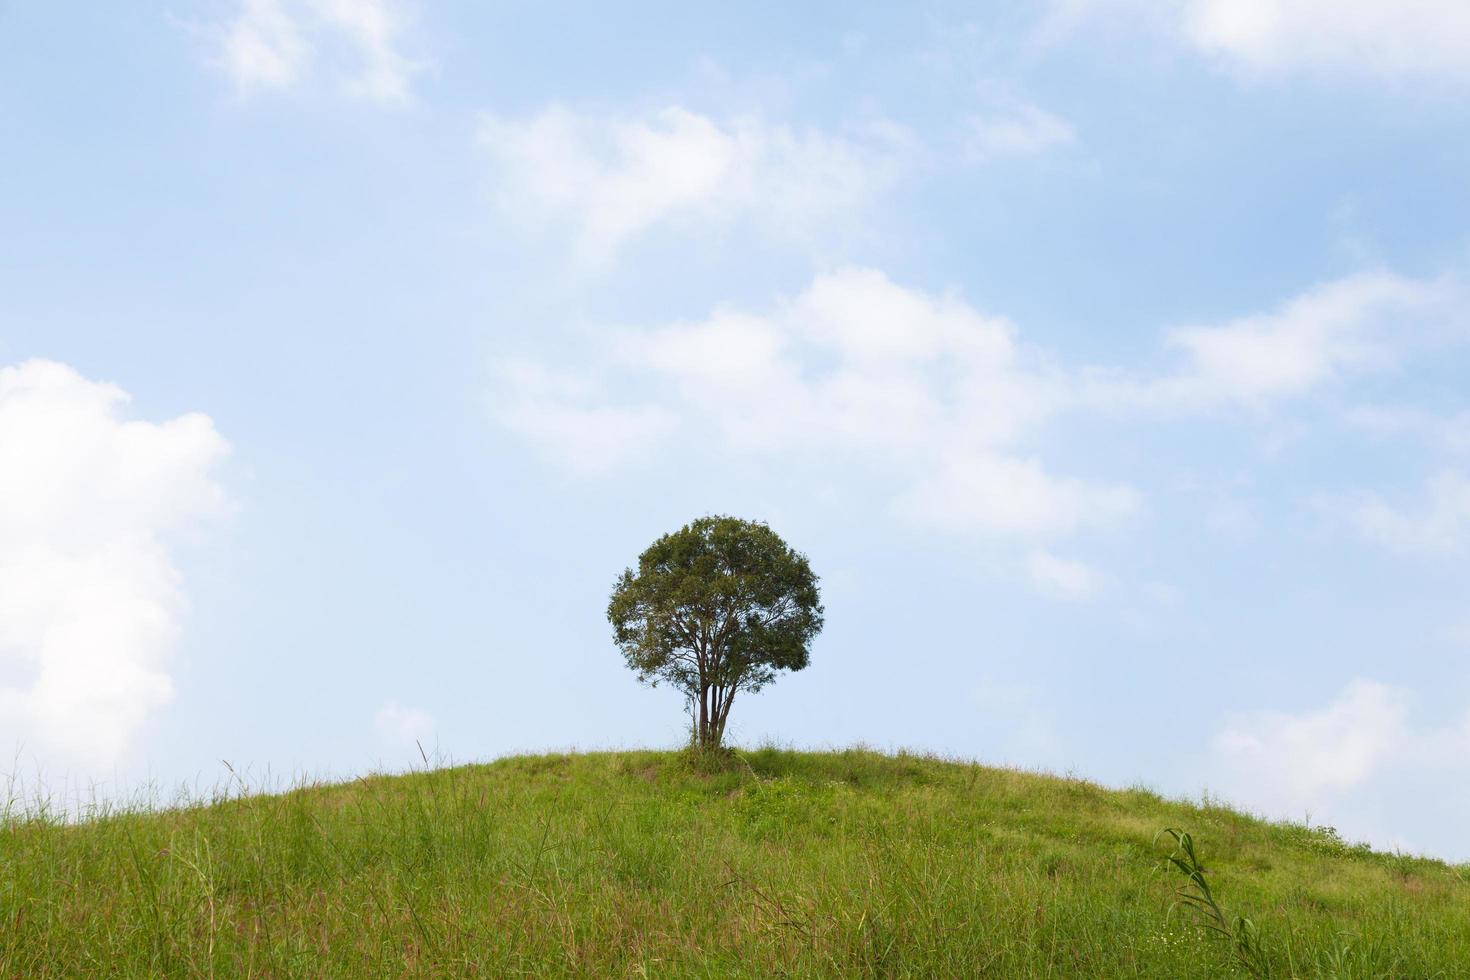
(648,864)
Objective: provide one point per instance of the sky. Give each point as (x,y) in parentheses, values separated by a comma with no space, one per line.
(1109,360)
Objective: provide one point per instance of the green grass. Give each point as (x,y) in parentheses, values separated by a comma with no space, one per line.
(645,864)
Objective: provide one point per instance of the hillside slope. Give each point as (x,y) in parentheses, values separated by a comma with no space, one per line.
(638,864)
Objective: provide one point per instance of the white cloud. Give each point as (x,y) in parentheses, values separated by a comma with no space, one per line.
(613,179)
(1382,37)
(1361,324)
(1356,324)
(919,385)
(945,401)
(855,360)
(1062,578)
(1440,526)
(372,27)
(1021,129)
(1448,433)
(90,600)
(1000,495)
(1392,39)
(263,47)
(396,721)
(556,413)
(1335,761)
(275,44)
(1292,761)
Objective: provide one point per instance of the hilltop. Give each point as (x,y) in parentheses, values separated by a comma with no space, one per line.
(647,864)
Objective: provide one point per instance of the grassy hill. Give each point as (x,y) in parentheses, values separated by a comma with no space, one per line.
(645,864)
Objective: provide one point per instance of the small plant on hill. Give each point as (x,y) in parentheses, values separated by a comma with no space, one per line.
(1195,896)
(718,607)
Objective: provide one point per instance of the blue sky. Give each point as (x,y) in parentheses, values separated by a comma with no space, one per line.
(1108,360)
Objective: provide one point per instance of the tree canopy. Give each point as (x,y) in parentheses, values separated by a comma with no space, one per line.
(720,606)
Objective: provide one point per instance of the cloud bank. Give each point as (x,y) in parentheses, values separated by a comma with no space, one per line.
(1336,758)
(611,179)
(1378,39)
(923,386)
(275,45)
(1390,38)
(90,600)
(1440,525)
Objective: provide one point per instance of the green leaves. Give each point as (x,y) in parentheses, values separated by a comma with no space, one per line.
(1196,897)
(719,606)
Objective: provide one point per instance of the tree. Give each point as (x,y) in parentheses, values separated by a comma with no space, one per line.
(718,607)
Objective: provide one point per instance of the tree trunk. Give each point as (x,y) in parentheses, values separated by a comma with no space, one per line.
(723,715)
(704,717)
